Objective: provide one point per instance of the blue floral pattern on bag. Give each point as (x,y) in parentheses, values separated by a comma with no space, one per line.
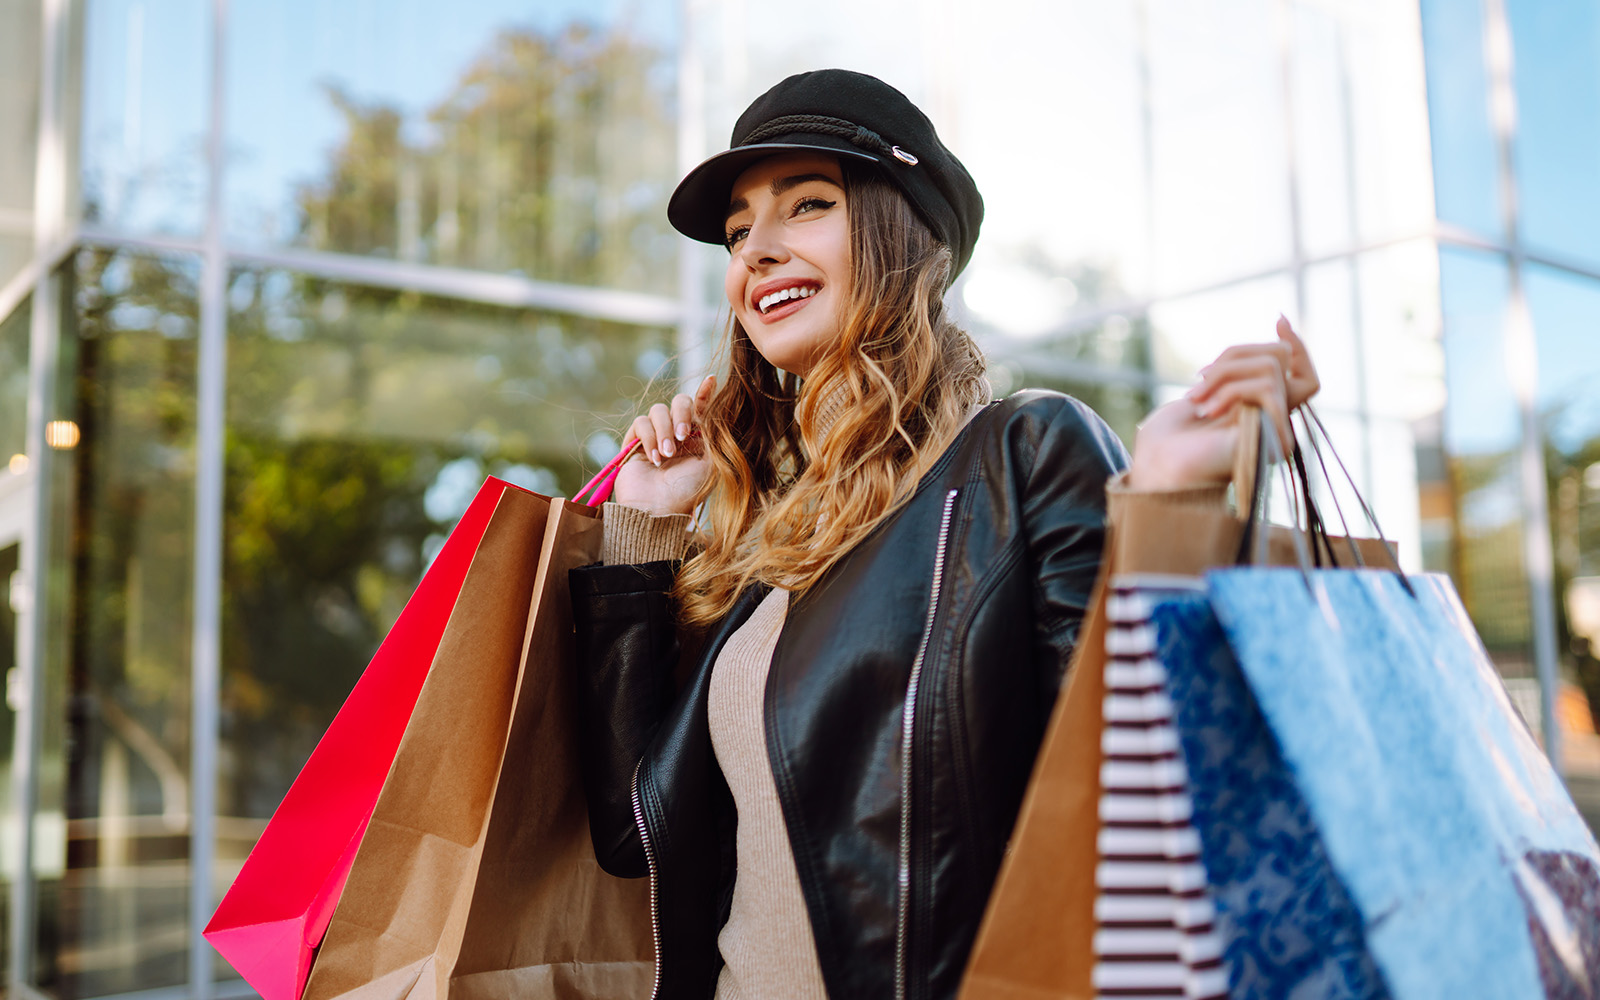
(1290,928)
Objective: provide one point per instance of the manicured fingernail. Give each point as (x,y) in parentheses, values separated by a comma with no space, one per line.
(683,431)
(667,447)
(655,457)
(1201,411)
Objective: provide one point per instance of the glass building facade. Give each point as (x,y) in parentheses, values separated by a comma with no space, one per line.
(280,282)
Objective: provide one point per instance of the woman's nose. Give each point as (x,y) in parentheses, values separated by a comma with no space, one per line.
(764,245)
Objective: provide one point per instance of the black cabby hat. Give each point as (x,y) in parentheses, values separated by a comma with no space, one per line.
(849,115)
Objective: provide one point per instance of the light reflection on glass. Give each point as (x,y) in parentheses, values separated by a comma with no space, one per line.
(112,827)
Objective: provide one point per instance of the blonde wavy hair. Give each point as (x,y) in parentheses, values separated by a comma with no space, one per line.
(785,503)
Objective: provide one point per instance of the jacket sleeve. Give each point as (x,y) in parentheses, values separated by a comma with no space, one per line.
(626,644)
(1064,521)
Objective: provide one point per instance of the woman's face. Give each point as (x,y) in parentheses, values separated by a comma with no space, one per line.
(788,234)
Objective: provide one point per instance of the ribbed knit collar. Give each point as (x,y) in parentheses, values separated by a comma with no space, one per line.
(825,415)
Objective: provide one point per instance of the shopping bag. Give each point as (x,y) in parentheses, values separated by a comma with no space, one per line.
(1282,921)
(1036,939)
(1471,870)
(273,917)
(1155,915)
(477,877)
(544,920)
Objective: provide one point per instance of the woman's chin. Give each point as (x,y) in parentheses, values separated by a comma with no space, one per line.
(789,349)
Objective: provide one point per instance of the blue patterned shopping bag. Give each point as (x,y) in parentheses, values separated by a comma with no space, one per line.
(1375,819)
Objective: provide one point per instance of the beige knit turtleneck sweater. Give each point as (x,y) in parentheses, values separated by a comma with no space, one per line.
(767,947)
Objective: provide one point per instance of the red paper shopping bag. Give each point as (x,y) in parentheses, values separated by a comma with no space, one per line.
(273,918)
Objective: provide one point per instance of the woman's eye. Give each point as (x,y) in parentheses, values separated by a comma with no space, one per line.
(812,204)
(736,234)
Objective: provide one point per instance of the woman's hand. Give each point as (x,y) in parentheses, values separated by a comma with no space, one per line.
(1191,441)
(666,473)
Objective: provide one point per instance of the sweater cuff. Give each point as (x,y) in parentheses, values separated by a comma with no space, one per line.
(629,535)
(1121,496)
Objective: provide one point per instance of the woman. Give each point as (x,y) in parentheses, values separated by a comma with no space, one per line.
(820,782)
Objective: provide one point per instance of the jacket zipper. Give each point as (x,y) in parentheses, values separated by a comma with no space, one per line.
(650,860)
(902,944)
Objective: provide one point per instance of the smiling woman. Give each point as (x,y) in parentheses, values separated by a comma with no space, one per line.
(892,581)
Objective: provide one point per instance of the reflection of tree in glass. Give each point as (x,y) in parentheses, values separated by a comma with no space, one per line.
(552,157)
(358,418)
(132,514)
(1574,485)
(1489,567)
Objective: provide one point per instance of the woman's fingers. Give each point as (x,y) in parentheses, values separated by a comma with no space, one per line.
(682,416)
(662,429)
(661,421)
(702,395)
(644,432)
(1235,364)
(1303,382)
(1289,354)
(1263,391)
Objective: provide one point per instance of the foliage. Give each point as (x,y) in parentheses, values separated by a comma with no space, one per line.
(551,157)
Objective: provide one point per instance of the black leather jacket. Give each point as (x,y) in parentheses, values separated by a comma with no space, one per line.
(941,640)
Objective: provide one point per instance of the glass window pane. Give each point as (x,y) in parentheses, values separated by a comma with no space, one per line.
(14,333)
(147,100)
(489,136)
(19,136)
(1558,124)
(112,858)
(1221,179)
(1372,324)
(1189,332)
(1481,435)
(1563,309)
(1361,124)
(360,424)
(1056,143)
(1465,165)
(1106,365)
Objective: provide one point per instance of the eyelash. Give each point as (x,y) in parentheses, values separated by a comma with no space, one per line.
(738,233)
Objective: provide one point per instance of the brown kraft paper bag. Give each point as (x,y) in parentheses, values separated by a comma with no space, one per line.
(1036,940)
(476,875)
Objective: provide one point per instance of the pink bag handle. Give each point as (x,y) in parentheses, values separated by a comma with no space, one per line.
(598,489)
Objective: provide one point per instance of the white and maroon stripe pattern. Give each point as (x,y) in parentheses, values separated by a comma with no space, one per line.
(1155,934)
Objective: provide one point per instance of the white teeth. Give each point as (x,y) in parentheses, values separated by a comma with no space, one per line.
(783,295)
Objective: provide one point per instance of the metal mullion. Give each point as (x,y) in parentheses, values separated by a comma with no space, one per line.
(43,263)
(49,201)
(614,305)
(692,353)
(210,414)
(1523,365)
(1089,319)
(611,304)
(149,242)
(1457,236)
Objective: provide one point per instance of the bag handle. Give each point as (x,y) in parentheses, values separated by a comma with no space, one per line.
(599,488)
(1269,452)
(1310,419)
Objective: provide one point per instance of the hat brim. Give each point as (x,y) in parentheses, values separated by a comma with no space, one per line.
(699,207)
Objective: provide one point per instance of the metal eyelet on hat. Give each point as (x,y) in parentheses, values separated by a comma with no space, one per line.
(909,159)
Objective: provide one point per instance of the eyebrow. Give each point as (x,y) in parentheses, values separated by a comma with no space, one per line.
(779,186)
